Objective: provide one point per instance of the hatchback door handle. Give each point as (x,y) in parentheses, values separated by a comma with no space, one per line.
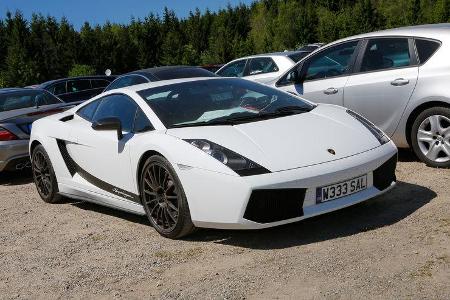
(400,82)
(330,91)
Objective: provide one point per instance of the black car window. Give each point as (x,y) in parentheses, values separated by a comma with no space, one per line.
(386,53)
(331,62)
(99,83)
(74,86)
(25,99)
(296,57)
(58,88)
(141,122)
(261,65)
(87,111)
(117,106)
(426,48)
(235,69)
(127,80)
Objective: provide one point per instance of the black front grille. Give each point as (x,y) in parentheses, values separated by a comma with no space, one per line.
(267,206)
(385,175)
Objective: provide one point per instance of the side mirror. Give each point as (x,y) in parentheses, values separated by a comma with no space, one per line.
(109,124)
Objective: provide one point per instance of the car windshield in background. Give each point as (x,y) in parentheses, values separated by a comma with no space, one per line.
(25,99)
(220,102)
(296,57)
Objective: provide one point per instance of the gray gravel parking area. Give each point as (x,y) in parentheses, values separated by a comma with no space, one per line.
(396,246)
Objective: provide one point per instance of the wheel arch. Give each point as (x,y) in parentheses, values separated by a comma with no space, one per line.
(141,163)
(33,146)
(417,111)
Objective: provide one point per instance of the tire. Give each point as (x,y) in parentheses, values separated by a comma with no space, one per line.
(164,200)
(430,137)
(44,176)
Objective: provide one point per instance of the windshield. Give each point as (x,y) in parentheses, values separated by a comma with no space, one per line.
(224,101)
(25,98)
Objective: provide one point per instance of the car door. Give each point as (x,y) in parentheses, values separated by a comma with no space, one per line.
(78,90)
(101,154)
(262,69)
(385,77)
(322,76)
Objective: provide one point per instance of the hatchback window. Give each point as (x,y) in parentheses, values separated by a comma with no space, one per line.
(235,69)
(386,53)
(117,106)
(331,62)
(262,65)
(74,86)
(426,48)
(58,89)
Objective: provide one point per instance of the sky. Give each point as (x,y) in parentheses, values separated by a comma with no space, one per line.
(116,11)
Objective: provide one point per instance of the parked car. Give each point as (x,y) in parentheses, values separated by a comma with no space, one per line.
(212,67)
(18,109)
(397,78)
(211,152)
(311,47)
(262,67)
(158,74)
(77,89)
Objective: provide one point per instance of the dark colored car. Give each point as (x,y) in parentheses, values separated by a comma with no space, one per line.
(77,89)
(158,74)
(19,108)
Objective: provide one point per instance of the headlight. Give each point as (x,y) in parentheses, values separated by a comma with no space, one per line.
(238,163)
(381,137)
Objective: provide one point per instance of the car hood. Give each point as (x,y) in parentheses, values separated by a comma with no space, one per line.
(293,141)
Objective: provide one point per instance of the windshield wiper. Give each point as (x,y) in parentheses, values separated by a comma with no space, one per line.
(203,123)
(292,109)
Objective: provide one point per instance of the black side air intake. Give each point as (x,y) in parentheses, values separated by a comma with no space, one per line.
(385,175)
(70,164)
(266,206)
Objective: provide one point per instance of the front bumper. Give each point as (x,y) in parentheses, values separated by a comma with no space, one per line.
(218,200)
(13,154)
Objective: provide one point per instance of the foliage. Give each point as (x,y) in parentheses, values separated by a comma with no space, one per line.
(44,48)
(81,70)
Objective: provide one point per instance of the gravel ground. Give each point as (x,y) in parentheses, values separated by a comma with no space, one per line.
(394,247)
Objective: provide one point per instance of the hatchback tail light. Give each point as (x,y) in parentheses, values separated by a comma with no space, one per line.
(5,135)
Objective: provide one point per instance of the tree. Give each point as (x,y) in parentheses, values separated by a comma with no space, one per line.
(81,70)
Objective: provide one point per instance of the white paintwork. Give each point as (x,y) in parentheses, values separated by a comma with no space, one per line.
(371,94)
(294,148)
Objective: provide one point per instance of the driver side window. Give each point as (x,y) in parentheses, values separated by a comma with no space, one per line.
(117,106)
(331,62)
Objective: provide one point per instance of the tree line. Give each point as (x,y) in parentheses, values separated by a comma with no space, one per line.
(44,48)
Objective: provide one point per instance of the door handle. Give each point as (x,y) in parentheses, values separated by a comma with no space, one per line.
(330,91)
(400,82)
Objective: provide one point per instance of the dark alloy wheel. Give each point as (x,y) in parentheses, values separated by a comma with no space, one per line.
(430,137)
(44,176)
(164,199)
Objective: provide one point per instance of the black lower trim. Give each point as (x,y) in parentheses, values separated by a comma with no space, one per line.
(385,174)
(266,206)
(74,168)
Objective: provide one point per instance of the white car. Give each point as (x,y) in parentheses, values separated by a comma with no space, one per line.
(211,152)
(262,68)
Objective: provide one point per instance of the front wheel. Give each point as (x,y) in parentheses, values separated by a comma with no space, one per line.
(164,200)
(43,175)
(430,136)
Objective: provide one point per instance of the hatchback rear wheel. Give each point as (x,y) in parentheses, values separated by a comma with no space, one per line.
(430,136)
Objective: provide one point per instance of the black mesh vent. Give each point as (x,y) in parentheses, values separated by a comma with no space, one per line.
(385,175)
(267,206)
(70,164)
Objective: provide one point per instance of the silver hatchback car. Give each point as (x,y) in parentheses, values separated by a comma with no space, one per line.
(399,79)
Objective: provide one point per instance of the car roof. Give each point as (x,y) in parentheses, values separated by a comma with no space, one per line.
(162,73)
(50,82)
(435,31)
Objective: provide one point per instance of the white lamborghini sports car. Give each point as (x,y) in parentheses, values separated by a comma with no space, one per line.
(211,152)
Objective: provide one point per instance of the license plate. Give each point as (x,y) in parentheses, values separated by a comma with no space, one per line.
(342,189)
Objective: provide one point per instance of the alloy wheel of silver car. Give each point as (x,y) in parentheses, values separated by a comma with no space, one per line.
(433,137)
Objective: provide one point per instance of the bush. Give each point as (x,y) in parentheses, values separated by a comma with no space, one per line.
(81,70)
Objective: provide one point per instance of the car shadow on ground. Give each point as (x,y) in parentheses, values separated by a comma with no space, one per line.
(385,210)
(16,178)
(407,155)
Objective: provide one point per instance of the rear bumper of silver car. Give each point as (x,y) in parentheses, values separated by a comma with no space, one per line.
(14,155)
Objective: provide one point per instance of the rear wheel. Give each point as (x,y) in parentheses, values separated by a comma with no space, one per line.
(430,136)
(164,200)
(44,176)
